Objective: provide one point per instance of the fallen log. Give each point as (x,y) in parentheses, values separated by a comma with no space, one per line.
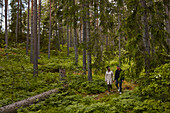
(12,108)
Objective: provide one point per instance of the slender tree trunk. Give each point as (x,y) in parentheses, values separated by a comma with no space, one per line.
(88,40)
(20,19)
(151,33)
(71,32)
(84,39)
(6,32)
(80,30)
(35,73)
(75,37)
(49,34)
(39,29)
(167,20)
(1,17)
(119,23)
(58,35)
(106,42)
(32,32)
(58,29)
(28,22)
(67,33)
(68,39)
(17,23)
(146,37)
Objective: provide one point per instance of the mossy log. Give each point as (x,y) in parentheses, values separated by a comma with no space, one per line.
(12,108)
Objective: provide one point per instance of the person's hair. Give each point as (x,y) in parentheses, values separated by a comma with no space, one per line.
(107,67)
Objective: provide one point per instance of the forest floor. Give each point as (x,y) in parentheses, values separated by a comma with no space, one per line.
(126,86)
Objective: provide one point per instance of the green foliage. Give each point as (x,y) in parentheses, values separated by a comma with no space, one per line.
(157,84)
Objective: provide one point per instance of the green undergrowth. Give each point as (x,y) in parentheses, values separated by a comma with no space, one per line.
(80,96)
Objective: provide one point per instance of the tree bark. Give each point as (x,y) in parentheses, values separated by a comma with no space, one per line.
(75,37)
(20,19)
(6,31)
(28,22)
(84,39)
(49,34)
(67,33)
(32,32)
(119,23)
(58,34)
(17,23)
(88,40)
(35,67)
(146,37)
(12,108)
(71,32)
(167,20)
(39,29)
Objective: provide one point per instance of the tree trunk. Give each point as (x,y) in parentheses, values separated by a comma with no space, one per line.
(20,19)
(67,32)
(6,32)
(146,37)
(84,39)
(119,23)
(49,34)
(17,23)
(12,108)
(88,40)
(39,30)
(167,20)
(68,39)
(80,30)
(1,16)
(35,67)
(32,32)
(106,42)
(58,34)
(75,37)
(28,22)
(71,32)
(58,29)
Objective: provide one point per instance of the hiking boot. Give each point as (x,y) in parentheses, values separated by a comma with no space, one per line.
(118,89)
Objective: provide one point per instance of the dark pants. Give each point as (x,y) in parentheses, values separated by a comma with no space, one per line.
(120,85)
(109,86)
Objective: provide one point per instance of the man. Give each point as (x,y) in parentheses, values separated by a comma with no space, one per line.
(109,78)
(119,79)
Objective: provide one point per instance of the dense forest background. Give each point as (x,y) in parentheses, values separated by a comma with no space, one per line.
(40,39)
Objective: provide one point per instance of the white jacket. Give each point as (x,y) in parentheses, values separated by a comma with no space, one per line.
(109,77)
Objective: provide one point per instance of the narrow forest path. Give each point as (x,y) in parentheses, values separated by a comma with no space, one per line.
(125,87)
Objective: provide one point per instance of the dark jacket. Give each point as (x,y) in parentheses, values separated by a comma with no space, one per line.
(117,73)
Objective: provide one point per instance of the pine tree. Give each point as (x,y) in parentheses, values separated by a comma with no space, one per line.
(35,67)
(28,27)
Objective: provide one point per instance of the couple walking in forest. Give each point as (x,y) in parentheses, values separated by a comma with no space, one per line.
(118,78)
